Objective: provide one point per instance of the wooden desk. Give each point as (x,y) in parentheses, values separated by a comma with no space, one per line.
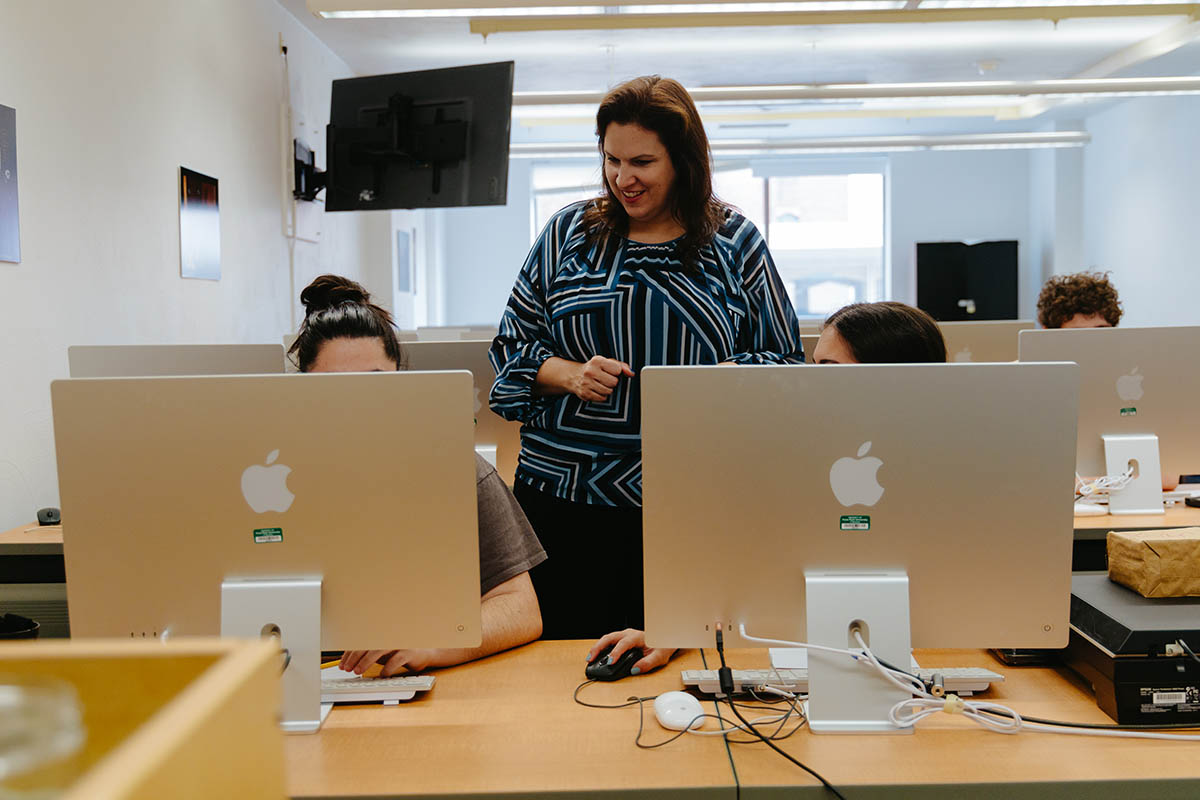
(32,539)
(1090,549)
(33,578)
(948,757)
(507,726)
(1097,527)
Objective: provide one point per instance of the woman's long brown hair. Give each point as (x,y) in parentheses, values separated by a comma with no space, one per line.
(663,106)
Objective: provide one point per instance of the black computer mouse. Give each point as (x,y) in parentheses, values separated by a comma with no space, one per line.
(599,668)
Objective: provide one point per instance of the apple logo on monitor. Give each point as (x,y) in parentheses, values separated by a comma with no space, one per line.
(1129,387)
(853,479)
(265,487)
(963,355)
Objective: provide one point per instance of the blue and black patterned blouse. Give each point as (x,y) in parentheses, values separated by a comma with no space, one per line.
(632,302)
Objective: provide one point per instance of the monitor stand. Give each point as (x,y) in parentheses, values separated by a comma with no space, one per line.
(289,608)
(847,696)
(1143,495)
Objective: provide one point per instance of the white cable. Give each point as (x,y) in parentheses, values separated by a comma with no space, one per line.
(1009,721)
(1109,483)
(866,657)
(768,720)
(784,643)
(925,704)
(1124,734)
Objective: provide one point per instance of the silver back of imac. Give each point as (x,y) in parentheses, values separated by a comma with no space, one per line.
(755,475)
(981,342)
(490,428)
(1131,381)
(171,486)
(151,360)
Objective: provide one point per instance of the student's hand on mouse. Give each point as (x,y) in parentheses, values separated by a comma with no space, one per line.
(393,661)
(596,378)
(652,658)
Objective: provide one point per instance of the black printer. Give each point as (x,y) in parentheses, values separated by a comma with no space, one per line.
(1127,647)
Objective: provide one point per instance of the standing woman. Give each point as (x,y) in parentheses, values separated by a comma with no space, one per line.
(654,271)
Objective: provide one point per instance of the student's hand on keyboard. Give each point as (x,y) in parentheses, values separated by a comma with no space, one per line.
(393,661)
(653,658)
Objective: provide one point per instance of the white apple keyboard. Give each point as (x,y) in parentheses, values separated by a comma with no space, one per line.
(338,686)
(960,680)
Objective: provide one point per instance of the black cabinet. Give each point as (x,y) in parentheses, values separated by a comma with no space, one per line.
(958,281)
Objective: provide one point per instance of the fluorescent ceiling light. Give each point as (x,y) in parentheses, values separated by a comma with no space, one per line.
(529,116)
(662,17)
(1069,87)
(865,144)
(1036,3)
(376,9)
(714,7)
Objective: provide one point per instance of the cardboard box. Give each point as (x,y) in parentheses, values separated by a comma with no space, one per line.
(1156,563)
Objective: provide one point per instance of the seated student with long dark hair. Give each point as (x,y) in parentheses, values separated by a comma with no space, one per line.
(879,333)
(343,331)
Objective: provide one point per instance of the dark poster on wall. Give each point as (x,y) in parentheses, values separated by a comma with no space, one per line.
(10,225)
(199,226)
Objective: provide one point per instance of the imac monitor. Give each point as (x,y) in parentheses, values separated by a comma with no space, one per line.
(152,360)
(981,342)
(954,480)
(429,139)
(1132,381)
(176,488)
(492,432)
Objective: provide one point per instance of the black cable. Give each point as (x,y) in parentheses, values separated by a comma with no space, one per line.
(642,718)
(737,781)
(778,735)
(631,701)
(725,675)
(1188,650)
(798,763)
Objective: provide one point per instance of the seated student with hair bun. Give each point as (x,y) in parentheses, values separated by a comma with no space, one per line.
(880,333)
(343,331)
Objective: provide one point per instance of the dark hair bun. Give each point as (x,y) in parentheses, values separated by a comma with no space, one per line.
(328,291)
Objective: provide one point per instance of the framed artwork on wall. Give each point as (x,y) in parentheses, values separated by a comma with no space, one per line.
(199,226)
(10,223)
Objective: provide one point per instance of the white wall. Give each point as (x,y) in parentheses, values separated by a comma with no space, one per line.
(956,196)
(1055,215)
(111,100)
(1141,175)
(482,252)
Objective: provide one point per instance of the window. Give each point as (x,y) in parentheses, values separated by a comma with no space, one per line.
(825,233)
(742,189)
(825,230)
(559,185)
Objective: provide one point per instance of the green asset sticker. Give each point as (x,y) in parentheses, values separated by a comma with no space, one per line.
(262,535)
(1128,412)
(856,522)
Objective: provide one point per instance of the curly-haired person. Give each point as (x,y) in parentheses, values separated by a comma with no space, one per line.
(1082,300)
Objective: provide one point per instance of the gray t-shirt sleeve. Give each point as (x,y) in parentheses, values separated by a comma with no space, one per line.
(507,543)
